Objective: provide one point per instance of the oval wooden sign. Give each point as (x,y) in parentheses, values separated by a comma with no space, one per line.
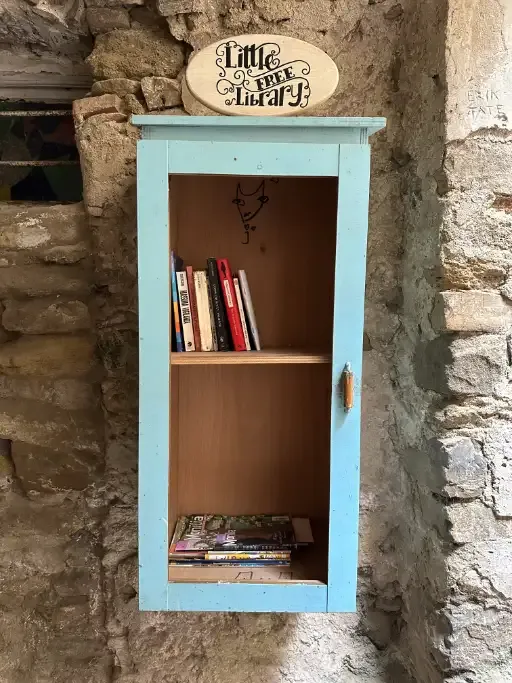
(261,75)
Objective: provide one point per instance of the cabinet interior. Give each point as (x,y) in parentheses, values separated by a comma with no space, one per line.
(245,438)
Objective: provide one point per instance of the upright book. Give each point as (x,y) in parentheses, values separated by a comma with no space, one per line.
(215,345)
(219,314)
(186,313)
(246,295)
(233,314)
(239,301)
(203,310)
(175,304)
(193,307)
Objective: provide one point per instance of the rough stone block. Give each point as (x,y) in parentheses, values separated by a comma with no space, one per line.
(44,316)
(43,469)
(43,281)
(117,86)
(118,351)
(39,227)
(135,53)
(49,355)
(480,162)
(69,394)
(45,425)
(463,467)
(475,250)
(169,7)
(498,450)
(91,106)
(120,395)
(51,626)
(114,3)
(133,105)
(478,271)
(473,521)
(66,254)
(113,116)
(480,635)
(107,185)
(471,311)
(160,92)
(482,570)
(470,366)
(105,19)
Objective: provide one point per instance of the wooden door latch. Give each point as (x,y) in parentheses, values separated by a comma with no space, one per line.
(348,387)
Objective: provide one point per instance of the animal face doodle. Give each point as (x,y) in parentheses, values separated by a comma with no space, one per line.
(249,205)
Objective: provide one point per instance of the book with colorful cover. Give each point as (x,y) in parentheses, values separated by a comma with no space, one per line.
(248,555)
(252,565)
(186,313)
(187,562)
(231,555)
(231,304)
(242,532)
(176,263)
(193,307)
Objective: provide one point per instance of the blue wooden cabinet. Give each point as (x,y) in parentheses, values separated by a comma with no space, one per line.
(286,199)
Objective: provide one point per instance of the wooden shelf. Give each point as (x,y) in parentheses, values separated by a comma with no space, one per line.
(248,357)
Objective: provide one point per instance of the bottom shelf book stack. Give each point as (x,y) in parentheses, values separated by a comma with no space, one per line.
(242,547)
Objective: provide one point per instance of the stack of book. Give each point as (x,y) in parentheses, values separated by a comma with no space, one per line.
(212,309)
(238,541)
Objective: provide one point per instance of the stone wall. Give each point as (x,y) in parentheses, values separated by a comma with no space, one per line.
(475,409)
(434,592)
(364,44)
(453,362)
(52,453)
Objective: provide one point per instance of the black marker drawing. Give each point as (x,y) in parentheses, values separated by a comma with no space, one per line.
(249,205)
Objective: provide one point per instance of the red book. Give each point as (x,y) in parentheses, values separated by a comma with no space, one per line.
(233,315)
(193,307)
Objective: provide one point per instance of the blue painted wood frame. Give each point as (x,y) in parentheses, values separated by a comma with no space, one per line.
(231,150)
(350,271)
(154,371)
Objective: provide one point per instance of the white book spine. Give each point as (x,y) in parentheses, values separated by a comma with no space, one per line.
(186,313)
(203,311)
(238,295)
(246,294)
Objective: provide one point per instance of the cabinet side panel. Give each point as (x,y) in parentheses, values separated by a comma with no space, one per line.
(354,172)
(154,350)
(175,374)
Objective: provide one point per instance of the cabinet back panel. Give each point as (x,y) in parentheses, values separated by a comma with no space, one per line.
(289,259)
(254,439)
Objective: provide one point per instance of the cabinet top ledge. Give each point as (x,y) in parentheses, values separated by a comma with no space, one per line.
(372,124)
